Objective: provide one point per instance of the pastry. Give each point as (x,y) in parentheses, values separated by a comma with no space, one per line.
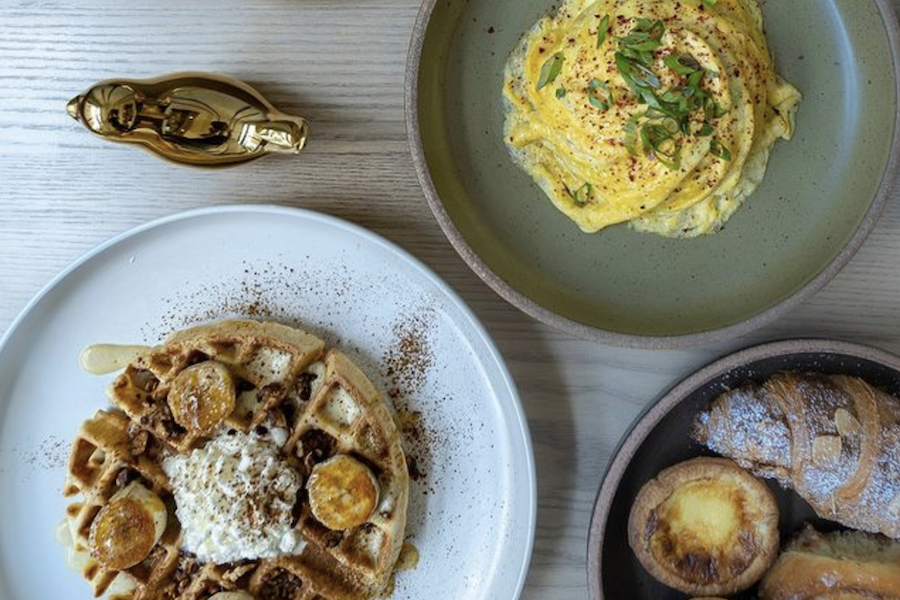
(834,439)
(848,565)
(705,526)
(242,459)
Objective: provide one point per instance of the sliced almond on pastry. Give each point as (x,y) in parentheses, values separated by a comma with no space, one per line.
(826,451)
(845,422)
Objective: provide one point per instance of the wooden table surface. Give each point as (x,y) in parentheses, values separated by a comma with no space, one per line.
(341,64)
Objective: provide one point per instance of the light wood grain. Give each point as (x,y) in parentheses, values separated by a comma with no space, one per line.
(340,64)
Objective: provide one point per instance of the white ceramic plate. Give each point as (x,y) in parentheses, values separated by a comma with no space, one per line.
(472,515)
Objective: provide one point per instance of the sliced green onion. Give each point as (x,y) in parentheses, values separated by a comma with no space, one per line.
(609,92)
(653,137)
(669,112)
(642,40)
(683,65)
(671,125)
(596,83)
(602,29)
(582,195)
(550,70)
(695,78)
(598,103)
(647,46)
(560,92)
(624,67)
(654,29)
(631,133)
(646,76)
(717,149)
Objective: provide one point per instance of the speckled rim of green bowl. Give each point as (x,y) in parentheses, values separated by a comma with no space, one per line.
(530,307)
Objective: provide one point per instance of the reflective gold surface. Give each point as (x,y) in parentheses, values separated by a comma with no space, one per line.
(199,119)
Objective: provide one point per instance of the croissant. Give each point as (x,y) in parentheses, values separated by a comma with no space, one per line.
(834,439)
(846,565)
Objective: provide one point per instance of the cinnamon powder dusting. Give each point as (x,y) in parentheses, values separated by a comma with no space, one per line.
(409,359)
(280,292)
(406,365)
(49,454)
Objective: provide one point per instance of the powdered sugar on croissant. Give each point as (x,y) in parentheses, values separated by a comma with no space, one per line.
(834,439)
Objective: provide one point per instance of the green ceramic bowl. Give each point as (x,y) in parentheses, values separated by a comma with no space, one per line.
(820,198)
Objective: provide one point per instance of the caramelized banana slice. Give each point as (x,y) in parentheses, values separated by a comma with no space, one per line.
(128,527)
(202,396)
(342,492)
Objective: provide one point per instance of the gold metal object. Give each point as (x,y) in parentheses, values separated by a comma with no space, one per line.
(200,119)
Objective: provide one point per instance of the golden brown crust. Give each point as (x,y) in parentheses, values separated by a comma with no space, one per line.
(326,404)
(835,566)
(705,526)
(265,355)
(374,439)
(834,439)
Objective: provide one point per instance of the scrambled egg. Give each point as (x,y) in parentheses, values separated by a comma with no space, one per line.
(675,143)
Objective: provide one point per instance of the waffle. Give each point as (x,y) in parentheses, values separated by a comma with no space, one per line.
(282,378)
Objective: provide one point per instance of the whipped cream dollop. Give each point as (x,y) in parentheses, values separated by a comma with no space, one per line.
(234,498)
